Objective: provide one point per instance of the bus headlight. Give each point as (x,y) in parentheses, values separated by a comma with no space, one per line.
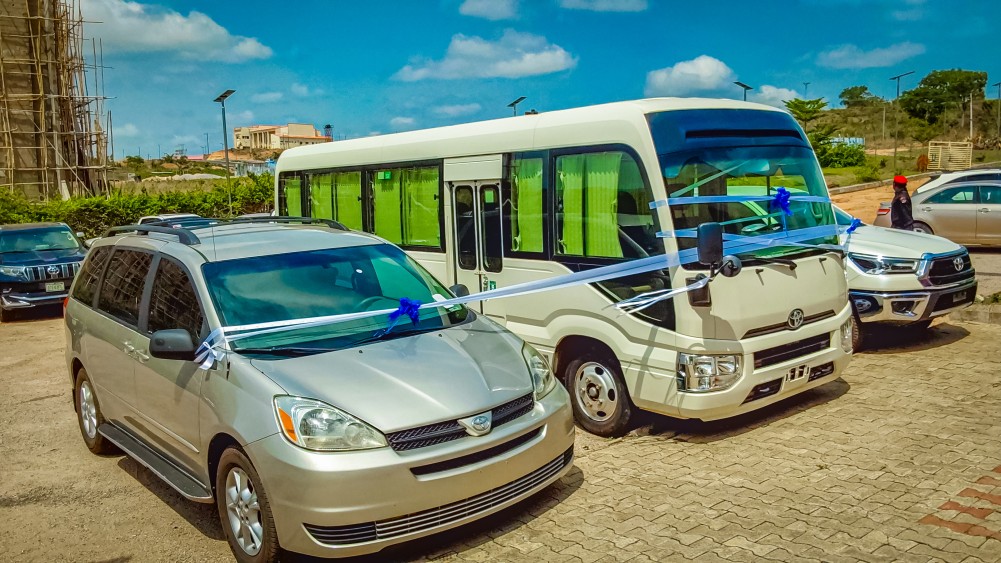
(846,335)
(700,373)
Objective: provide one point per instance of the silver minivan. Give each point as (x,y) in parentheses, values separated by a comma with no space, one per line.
(330,440)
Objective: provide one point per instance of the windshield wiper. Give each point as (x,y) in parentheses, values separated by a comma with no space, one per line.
(381,334)
(288,351)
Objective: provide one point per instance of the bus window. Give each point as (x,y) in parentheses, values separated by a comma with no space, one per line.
(347,199)
(490,203)
(291,189)
(465,230)
(406,206)
(321,202)
(526,204)
(386,203)
(604,207)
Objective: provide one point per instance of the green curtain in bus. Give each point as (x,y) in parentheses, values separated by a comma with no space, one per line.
(321,201)
(347,196)
(570,182)
(527,218)
(420,207)
(601,219)
(293,197)
(387,205)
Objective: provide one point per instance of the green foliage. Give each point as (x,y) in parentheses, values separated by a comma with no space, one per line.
(922,131)
(842,156)
(94,215)
(805,111)
(854,96)
(867,172)
(941,87)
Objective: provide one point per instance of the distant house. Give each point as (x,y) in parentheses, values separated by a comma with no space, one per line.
(277,136)
(244,167)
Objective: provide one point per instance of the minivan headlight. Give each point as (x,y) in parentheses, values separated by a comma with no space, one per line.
(877,265)
(700,373)
(14,271)
(542,377)
(317,426)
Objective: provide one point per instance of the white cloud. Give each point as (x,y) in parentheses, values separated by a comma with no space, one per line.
(772,95)
(127,130)
(303,91)
(490,9)
(147,28)
(701,75)
(850,56)
(514,55)
(402,122)
(457,110)
(244,116)
(266,97)
(605,5)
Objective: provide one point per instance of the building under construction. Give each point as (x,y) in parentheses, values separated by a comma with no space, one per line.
(53,129)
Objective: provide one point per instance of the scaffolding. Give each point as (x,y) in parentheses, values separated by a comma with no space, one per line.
(54,131)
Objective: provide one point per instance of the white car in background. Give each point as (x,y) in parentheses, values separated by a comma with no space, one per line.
(904,278)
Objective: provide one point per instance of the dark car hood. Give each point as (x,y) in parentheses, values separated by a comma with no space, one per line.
(41,257)
(413,380)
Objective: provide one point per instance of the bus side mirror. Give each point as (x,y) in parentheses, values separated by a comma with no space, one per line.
(459,290)
(710,244)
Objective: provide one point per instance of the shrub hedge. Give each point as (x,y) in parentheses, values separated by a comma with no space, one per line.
(94,215)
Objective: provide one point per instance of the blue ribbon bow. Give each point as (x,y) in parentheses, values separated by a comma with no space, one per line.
(856,223)
(781,200)
(408,307)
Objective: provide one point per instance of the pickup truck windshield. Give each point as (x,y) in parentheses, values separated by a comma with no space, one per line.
(317,283)
(33,240)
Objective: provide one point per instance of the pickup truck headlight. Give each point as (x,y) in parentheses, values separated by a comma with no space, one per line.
(317,426)
(542,377)
(14,271)
(877,265)
(701,373)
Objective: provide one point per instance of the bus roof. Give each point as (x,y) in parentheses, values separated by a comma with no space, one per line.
(617,122)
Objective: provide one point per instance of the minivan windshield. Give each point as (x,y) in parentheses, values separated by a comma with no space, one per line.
(34,240)
(316,283)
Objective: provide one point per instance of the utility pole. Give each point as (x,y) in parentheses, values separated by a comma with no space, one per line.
(896,117)
(999,108)
(971,117)
(208,149)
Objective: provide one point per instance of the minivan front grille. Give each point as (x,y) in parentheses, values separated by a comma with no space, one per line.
(441,432)
(779,354)
(57,272)
(439,516)
(942,271)
(779,327)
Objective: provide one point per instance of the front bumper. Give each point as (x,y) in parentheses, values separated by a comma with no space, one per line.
(905,307)
(12,300)
(345,504)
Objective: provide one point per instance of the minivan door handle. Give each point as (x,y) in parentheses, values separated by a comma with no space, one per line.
(985,210)
(128,348)
(926,209)
(141,356)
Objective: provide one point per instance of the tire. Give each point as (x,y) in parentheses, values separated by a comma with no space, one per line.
(858,334)
(920,326)
(89,417)
(6,316)
(598,394)
(920,227)
(248,524)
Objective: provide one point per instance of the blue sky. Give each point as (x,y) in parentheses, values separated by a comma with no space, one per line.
(380,66)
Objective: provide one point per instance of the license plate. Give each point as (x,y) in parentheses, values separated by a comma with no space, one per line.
(55,286)
(959,296)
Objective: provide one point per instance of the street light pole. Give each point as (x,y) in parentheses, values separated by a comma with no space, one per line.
(745,87)
(896,117)
(514,105)
(225,145)
(999,108)
(806,88)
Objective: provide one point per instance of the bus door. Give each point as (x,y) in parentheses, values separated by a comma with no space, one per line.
(476,208)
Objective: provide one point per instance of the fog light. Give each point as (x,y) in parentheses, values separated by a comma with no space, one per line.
(700,373)
(905,308)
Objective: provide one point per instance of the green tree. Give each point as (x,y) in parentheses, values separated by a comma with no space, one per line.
(855,96)
(939,88)
(806,111)
(134,163)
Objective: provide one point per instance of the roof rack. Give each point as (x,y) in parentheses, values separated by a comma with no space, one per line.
(285,219)
(184,236)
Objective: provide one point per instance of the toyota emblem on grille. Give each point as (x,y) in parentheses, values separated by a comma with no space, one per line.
(53,270)
(957,263)
(477,425)
(795,319)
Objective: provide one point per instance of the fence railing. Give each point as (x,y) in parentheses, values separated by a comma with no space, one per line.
(946,155)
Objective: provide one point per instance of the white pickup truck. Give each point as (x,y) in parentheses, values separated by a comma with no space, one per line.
(904,278)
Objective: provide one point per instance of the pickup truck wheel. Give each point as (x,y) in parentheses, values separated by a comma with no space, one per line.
(920,227)
(858,335)
(244,510)
(6,316)
(598,395)
(89,416)
(920,325)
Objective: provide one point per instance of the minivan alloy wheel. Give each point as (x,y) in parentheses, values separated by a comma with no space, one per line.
(88,410)
(244,511)
(595,391)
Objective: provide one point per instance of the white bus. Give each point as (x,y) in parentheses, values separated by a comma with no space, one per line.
(513,200)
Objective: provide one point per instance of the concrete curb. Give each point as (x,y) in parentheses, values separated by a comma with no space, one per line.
(888,181)
(979,313)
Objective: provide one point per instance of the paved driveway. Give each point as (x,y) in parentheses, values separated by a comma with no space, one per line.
(898,460)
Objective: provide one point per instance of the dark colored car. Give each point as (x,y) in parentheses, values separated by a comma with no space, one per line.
(37,264)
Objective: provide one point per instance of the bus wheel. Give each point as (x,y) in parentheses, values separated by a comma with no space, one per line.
(600,400)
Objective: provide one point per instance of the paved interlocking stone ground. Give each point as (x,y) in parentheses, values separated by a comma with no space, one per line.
(898,460)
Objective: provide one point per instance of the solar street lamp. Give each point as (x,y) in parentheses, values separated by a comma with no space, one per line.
(745,87)
(514,105)
(221,99)
(896,117)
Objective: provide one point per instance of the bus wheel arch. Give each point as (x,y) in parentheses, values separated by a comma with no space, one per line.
(593,376)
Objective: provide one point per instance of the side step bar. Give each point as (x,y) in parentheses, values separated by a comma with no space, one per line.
(163,468)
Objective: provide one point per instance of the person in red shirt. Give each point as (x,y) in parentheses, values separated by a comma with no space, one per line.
(901,216)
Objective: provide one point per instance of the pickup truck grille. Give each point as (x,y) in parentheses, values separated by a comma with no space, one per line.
(942,270)
(52,271)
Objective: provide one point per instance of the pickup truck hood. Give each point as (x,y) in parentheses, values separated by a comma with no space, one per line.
(41,257)
(412,380)
(896,243)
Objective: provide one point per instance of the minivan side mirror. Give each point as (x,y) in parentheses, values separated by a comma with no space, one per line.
(459,290)
(710,244)
(172,344)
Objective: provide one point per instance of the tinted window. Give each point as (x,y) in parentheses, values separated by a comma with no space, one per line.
(976,178)
(965,194)
(173,303)
(86,282)
(123,284)
(990,195)
(31,240)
